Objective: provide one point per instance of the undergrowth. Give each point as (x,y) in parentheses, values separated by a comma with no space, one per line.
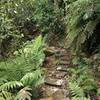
(82,82)
(21,74)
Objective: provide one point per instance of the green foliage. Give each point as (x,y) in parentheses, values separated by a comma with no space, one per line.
(6,96)
(34,79)
(9,34)
(10,85)
(98,91)
(14,15)
(47,18)
(24,94)
(23,70)
(77,91)
(82,18)
(20,19)
(82,82)
(83,22)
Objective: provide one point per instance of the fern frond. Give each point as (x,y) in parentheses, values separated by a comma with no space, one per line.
(98,91)
(24,94)
(77,91)
(4,95)
(81,22)
(10,85)
(23,70)
(32,78)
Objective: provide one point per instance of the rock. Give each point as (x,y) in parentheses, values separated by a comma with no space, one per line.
(63,62)
(49,91)
(51,98)
(60,75)
(56,64)
(65,58)
(61,54)
(61,68)
(54,82)
(49,51)
(53,93)
(59,95)
(47,98)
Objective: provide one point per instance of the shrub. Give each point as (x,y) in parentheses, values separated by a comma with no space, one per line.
(49,18)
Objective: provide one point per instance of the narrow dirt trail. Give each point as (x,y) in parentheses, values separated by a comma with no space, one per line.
(56,83)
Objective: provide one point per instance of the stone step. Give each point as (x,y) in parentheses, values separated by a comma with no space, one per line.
(54,93)
(55,82)
(65,58)
(49,91)
(56,74)
(59,75)
(61,68)
(61,55)
(64,62)
(54,50)
(55,98)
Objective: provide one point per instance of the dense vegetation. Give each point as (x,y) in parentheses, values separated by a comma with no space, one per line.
(21,20)
(83,37)
(22,73)
(25,26)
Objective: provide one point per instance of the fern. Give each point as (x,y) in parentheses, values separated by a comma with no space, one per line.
(81,82)
(77,92)
(24,94)
(98,91)
(6,96)
(10,85)
(27,61)
(32,78)
(23,70)
(75,89)
(82,18)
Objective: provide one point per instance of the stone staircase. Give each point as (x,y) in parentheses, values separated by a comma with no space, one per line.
(55,66)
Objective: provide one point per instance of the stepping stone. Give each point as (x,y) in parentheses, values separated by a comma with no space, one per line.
(55,82)
(61,55)
(49,91)
(49,51)
(53,93)
(64,62)
(47,98)
(59,74)
(65,58)
(62,68)
(59,95)
(51,98)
